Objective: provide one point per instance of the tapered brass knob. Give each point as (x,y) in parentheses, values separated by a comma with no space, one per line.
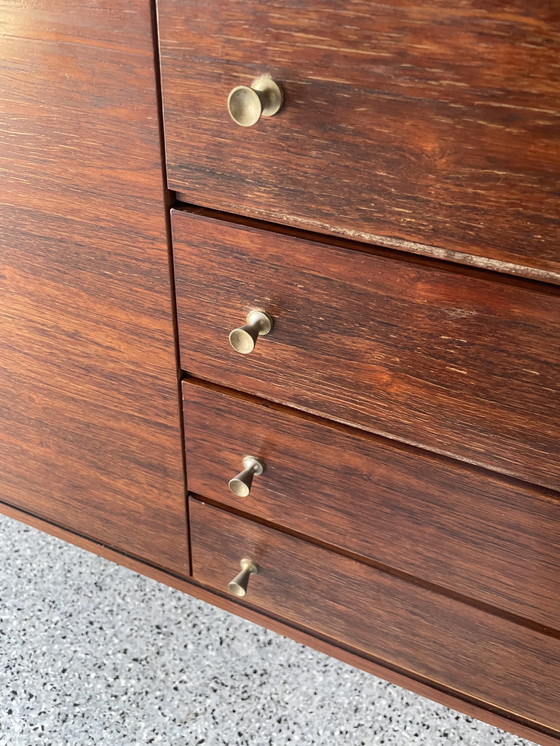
(240,485)
(244,338)
(238,586)
(246,105)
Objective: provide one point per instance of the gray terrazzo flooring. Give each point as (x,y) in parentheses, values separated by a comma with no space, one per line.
(92,653)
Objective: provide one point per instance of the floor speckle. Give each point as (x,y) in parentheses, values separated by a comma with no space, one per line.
(92,653)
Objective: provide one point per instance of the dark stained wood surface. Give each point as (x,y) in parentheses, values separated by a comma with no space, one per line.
(482,536)
(464,704)
(464,648)
(461,362)
(428,127)
(89,407)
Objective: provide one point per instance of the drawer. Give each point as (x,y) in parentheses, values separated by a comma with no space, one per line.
(455,646)
(461,362)
(495,540)
(431,129)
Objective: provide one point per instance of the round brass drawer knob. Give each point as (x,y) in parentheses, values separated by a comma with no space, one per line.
(244,338)
(240,485)
(246,105)
(238,586)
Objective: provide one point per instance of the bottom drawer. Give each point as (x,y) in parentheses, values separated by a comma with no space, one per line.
(456,646)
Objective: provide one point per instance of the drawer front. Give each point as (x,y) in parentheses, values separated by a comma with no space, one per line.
(426,128)
(497,541)
(436,356)
(456,646)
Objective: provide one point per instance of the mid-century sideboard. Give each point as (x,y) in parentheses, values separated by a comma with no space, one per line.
(279,319)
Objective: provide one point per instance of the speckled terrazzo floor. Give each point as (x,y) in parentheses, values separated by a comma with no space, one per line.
(92,653)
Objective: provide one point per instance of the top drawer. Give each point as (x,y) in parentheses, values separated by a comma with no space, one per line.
(429,128)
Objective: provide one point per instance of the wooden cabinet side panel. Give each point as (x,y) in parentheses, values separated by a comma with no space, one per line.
(89,421)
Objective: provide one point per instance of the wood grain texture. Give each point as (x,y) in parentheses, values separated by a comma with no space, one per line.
(464,704)
(463,529)
(429,127)
(428,353)
(464,648)
(89,410)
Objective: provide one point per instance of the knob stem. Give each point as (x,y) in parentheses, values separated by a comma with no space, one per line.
(238,586)
(244,338)
(241,483)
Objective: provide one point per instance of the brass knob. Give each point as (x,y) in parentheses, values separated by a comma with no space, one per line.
(240,485)
(238,586)
(247,104)
(244,338)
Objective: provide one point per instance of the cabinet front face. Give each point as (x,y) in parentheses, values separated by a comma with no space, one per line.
(89,420)
(425,127)
(459,362)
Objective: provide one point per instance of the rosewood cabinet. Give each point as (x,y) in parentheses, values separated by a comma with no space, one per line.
(280,320)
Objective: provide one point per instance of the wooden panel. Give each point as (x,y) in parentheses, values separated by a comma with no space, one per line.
(492,539)
(434,355)
(89,420)
(429,127)
(229,603)
(464,648)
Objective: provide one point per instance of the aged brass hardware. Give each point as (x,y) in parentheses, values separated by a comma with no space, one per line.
(238,586)
(247,104)
(240,485)
(244,338)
